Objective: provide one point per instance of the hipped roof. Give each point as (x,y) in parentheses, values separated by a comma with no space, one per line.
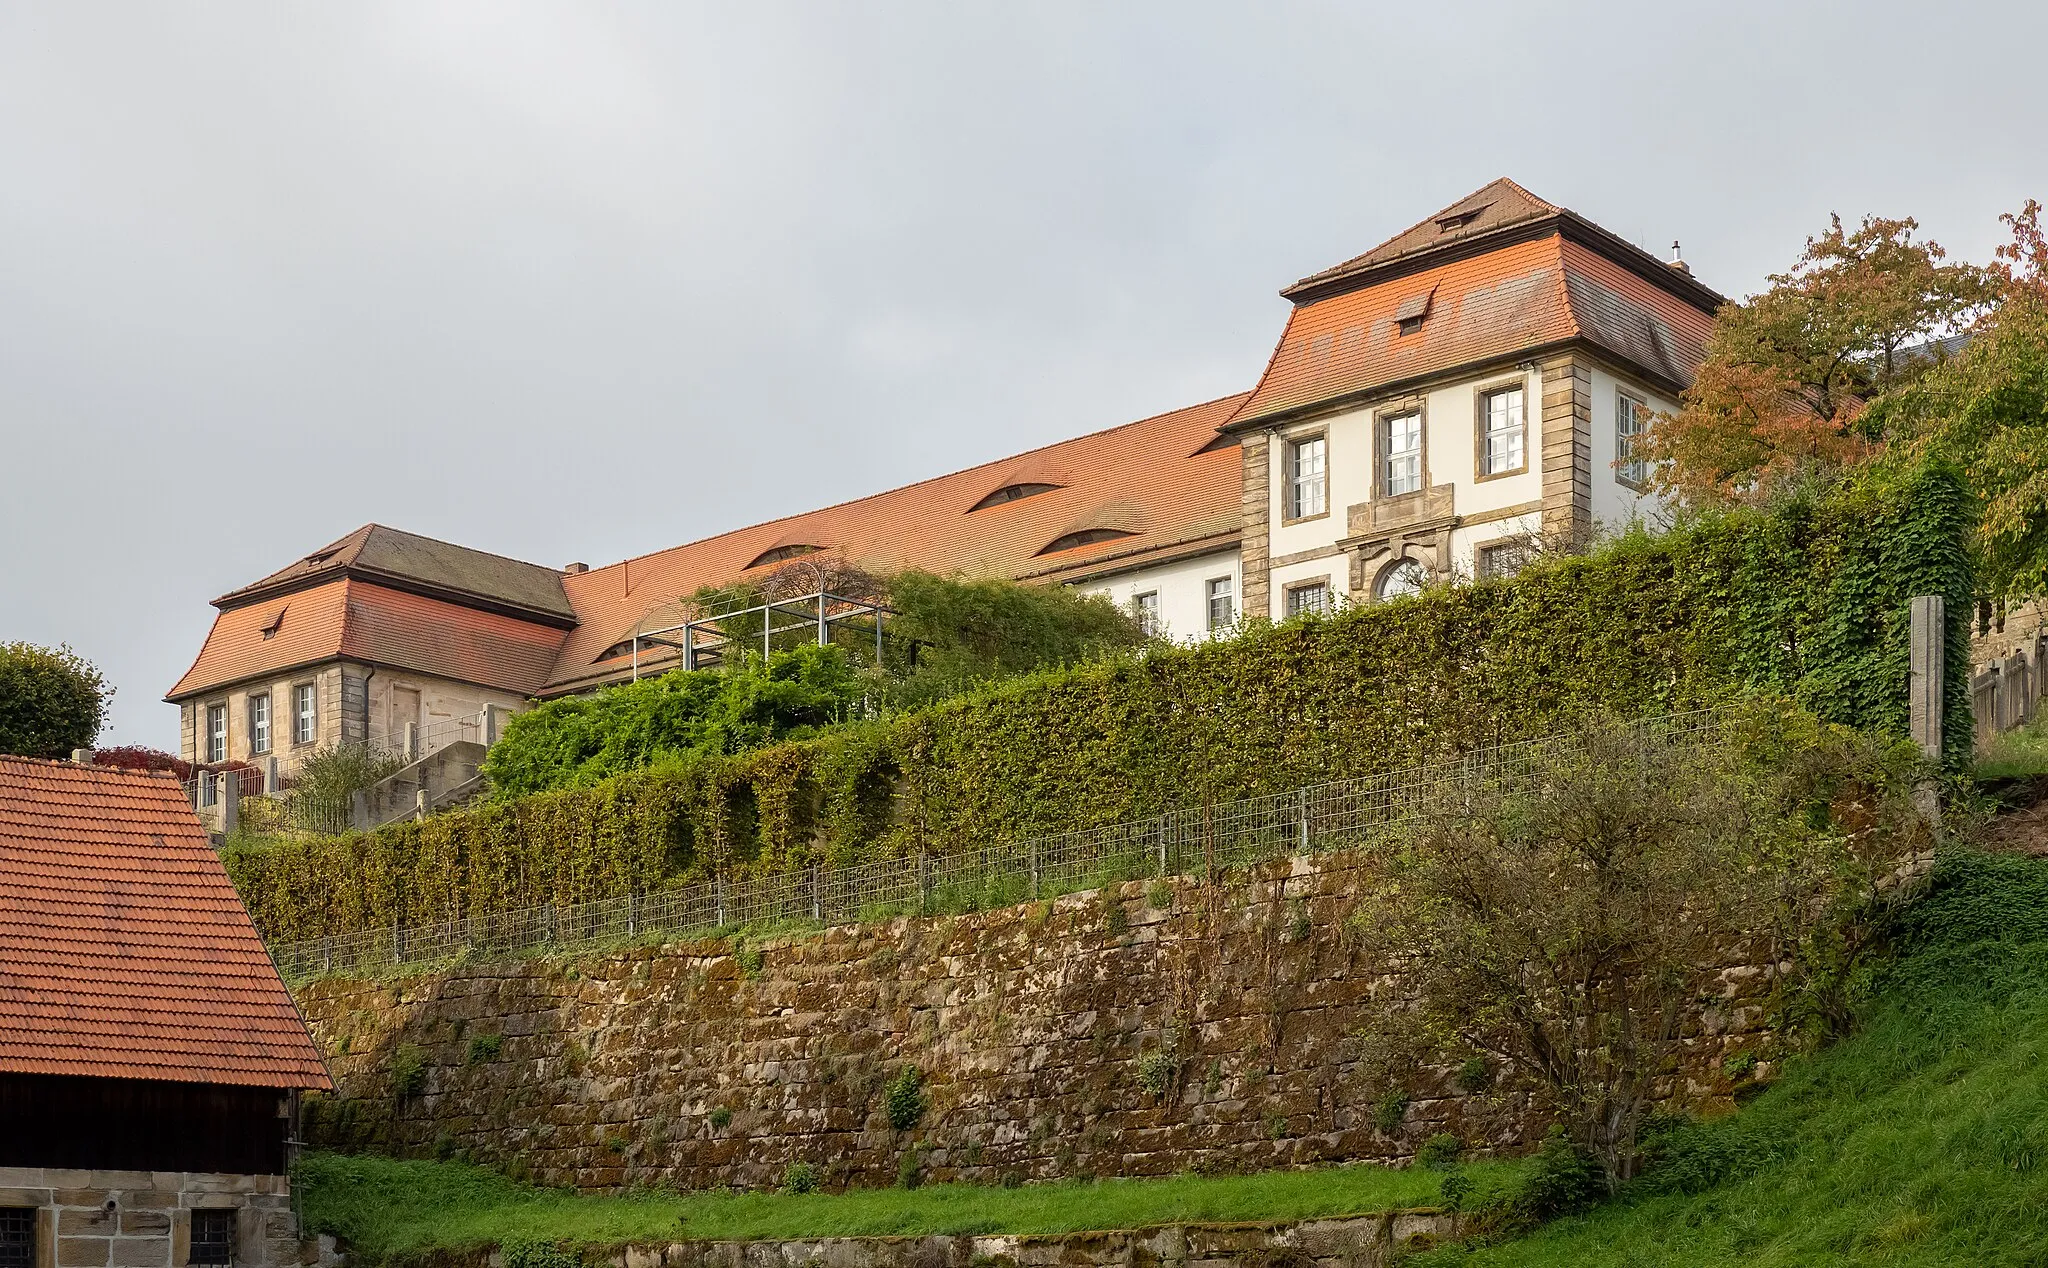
(124,950)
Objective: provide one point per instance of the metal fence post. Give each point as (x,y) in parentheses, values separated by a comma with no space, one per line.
(718,899)
(632,915)
(924,883)
(1034,867)
(818,882)
(1302,830)
(1161,834)
(397,943)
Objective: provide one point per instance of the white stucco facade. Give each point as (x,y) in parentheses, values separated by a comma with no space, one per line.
(1182,588)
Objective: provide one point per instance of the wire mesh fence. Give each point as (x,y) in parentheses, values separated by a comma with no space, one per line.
(1361,813)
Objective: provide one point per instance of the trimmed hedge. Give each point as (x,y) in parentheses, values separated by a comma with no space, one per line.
(1809,600)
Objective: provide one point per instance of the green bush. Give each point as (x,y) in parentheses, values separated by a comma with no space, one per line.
(905,1098)
(533,1252)
(801,1177)
(408,1072)
(484,1048)
(1440,1152)
(1389,1110)
(1809,600)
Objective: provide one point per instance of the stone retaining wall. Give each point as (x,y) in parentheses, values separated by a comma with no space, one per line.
(1365,1241)
(1144,1030)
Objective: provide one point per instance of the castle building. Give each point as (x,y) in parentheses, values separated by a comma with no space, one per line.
(1462,395)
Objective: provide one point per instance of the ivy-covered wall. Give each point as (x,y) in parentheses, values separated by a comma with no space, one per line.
(1810,599)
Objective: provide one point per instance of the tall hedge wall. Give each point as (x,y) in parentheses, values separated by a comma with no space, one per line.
(1810,599)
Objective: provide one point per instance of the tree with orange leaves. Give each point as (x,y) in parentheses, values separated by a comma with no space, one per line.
(1787,374)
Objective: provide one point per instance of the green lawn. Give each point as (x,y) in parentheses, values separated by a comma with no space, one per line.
(1922,1140)
(383,1206)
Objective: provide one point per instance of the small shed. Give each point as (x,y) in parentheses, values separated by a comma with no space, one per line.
(151,1059)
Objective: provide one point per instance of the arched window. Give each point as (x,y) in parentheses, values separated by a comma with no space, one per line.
(1086,537)
(1011,493)
(1401,578)
(780,554)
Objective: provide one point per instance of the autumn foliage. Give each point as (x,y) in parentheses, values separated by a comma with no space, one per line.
(1787,374)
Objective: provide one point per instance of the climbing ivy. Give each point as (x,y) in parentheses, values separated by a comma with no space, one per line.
(1809,599)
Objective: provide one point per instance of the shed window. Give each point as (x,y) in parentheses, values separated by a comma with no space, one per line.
(213,1236)
(17,1237)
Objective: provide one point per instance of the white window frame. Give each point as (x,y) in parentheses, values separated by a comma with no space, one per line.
(216,739)
(1145,610)
(259,723)
(1630,468)
(1222,590)
(1519,549)
(1400,469)
(1297,596)
(1510,455)
(305,713)
(1396,568)
(1307,463)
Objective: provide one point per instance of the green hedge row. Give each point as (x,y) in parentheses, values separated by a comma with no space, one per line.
(1809,600)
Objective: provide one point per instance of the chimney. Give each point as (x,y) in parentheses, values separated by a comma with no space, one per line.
(1678,261)
(573,569)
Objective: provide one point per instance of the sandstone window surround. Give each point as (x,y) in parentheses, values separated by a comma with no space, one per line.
(1504,558)
(1502,432)
(1399,439)
(1307,488)
(213,1237)
(1222,593)
(305,713)
(1308,596)
(1631,419)
(217,732)
(259,723)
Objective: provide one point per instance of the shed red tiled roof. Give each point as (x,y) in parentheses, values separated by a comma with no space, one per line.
(124,950)
(351,619)
(1151,478)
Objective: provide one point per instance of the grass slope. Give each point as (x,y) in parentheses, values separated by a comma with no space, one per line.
(385,1207)
(1921,1140)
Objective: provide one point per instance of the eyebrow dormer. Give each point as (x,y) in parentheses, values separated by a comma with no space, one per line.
(1084,537)
(782,554)
(1013,493)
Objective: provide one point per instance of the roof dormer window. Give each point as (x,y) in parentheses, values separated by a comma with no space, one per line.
(1409,316)
(1013,493)
(276,622)
(782,554)
(1085,537)
(1459,219)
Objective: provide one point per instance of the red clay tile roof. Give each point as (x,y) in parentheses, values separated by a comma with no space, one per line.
(1485,307)
(1148,478)
(124,950)
(347,618)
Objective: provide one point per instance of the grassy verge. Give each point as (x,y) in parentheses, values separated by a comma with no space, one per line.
(385,1207)
(1923,1140)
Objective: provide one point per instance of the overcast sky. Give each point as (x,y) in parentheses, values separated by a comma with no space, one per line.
(583,281)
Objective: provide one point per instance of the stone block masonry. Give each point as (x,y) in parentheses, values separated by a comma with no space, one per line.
(1147,1029)
(143,1219)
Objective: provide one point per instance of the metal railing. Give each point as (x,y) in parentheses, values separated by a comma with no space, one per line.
(1345,814)
(414,741)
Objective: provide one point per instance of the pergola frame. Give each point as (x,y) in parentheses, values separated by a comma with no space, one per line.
(819,612)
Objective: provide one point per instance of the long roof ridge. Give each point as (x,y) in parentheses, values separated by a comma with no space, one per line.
(1345,266)
(904,488)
